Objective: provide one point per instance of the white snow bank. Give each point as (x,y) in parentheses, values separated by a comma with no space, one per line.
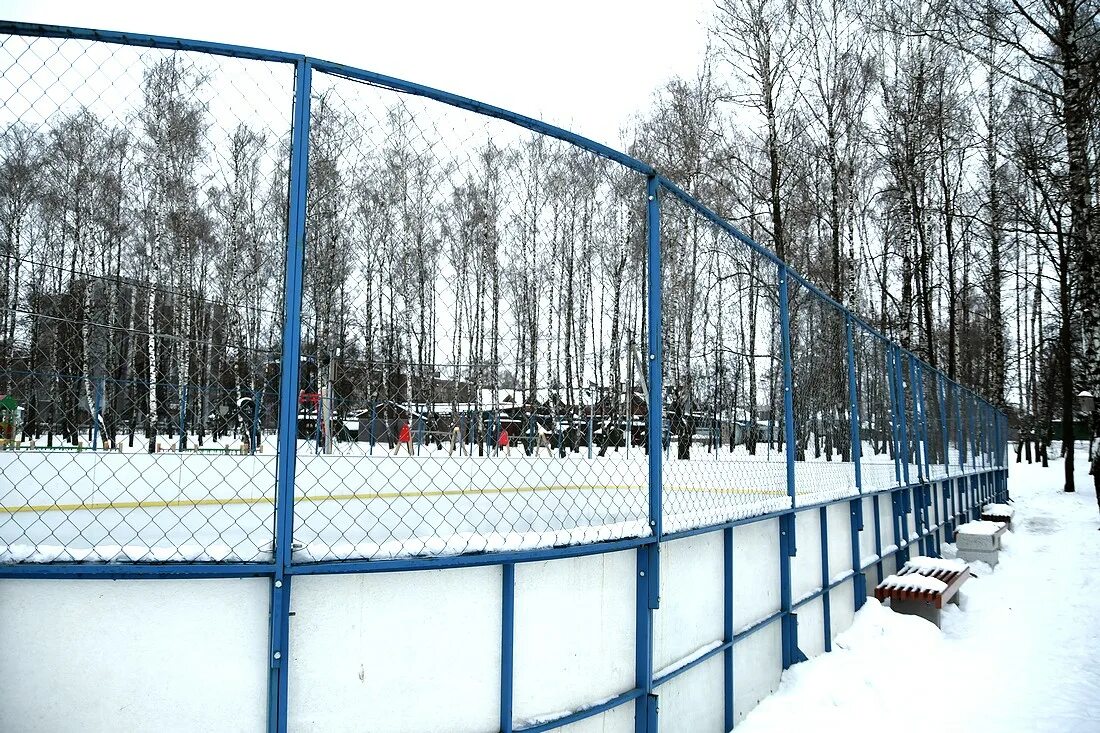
(998,510)
(1023,654)
(858,681)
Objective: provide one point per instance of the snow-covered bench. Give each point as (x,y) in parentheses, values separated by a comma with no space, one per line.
(998,513)
(923,585)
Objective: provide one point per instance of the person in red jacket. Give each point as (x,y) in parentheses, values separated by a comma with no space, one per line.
(404,435)
(502,442)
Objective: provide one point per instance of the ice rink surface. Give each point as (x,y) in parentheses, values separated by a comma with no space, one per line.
(374,503)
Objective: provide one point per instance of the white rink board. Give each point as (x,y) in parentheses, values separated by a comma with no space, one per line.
(690,616)
(102,656)
(842,607)
(756,586)
(806,564)
(398,651)
(840,538)
(867,536)
(757,666)
(693,702)
(811,627)
(574,633)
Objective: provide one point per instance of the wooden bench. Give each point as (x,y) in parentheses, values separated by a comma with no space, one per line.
(923,585)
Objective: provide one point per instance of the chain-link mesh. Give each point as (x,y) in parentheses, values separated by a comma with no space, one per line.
(876,401)
(724,454)
(935,423)
(911,426)
(953,418)
(971,430)
(474,322)
(470,335)
(143,197)
(825,468)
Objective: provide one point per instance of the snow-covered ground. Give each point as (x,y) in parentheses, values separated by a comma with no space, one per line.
(1023,654)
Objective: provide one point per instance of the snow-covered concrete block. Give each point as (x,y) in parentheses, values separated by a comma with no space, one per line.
(987,556)
(979,541)
(979,535)
(1002,513)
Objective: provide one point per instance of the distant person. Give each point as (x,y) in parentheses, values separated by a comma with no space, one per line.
(1094,471)
(543,439)
(502,442)
(438,431)
(404,435)
(456,441)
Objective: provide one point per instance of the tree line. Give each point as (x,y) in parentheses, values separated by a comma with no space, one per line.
(931,165)
(872,149)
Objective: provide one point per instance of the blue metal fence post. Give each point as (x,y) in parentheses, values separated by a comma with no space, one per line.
(901,508)
(507,641)
(787,542)
(855,507)
(925,489)
(920,445)
(960,427)
(853,404)
(945,486)
(895,421)
(648,583)
(903,415)
(656,357)
(941,395)
(925,437)
(288,402)
(826,605)
(727,627)
(788,380)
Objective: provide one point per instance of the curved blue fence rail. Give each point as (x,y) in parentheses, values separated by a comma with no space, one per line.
(268,315)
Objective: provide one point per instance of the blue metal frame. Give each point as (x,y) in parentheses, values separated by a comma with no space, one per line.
(507,639)
(984,480)
(288,399)
(727,628)
(655,429)
(788,546)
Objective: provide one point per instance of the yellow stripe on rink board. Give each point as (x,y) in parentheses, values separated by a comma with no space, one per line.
(365,496)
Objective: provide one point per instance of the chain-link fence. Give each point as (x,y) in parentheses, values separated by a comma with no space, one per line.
(470,329)
(480,307)
(723,443)
(144,200)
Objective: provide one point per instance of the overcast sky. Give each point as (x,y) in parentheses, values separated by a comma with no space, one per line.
(587,65)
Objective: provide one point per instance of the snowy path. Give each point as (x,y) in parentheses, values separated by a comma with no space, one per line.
(1024,655)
